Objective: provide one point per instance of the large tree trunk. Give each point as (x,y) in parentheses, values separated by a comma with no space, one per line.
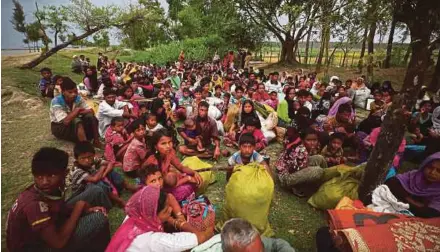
(287,54)
(387,61)
(393,127)
(309,34)
(33,63)
(435,82)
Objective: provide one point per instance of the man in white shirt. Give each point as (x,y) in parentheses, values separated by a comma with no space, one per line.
(274,85)
(110,108)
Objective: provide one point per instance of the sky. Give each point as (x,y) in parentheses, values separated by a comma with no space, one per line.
(13,39)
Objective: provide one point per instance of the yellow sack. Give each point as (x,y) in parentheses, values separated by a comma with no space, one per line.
(345,183)
(248,195)
(233,110)
(208,176)
(93,104)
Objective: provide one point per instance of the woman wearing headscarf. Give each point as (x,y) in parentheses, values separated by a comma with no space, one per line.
(148,211)
(286,109)
(420,188)
(247,111)
(334,109)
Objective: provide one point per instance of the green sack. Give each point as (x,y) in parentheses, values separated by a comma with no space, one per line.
(194,163)
(248,195)
(344,183)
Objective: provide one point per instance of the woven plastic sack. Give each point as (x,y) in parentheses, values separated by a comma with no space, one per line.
(346,183)
(233,111)
(248,195)
(199,213)
(208,176)
(280,133)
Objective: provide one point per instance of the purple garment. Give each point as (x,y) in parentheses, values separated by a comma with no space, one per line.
(415,184)
(182,192)
(334,109)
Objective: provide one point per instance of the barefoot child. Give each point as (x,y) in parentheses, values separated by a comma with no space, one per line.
(246,154)
(89,169)
(194,139)
(116,140)
(333,152)
(41,220)
(46,85)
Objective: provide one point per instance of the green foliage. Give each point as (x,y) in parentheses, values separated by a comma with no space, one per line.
(18,17)
(148,32)
(55,19)
(101,39)
(195,49)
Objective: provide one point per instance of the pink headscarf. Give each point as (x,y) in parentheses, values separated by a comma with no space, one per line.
(334,109)
(142,212)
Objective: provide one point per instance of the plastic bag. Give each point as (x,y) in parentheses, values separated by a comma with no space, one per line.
(346,183)
(208,176)
(214,112)
(248,195)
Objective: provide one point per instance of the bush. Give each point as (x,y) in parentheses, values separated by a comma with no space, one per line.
(195,49)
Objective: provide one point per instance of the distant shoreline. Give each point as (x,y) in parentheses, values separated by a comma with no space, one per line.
(9,52)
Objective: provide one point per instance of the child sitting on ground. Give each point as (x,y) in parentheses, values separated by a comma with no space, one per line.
(136,151)
(151,124)
(246,155)
(194,139)
(183,103)
(251,126)
(46,85)
(41,219)
(89,169)
(116,140)
(333,152)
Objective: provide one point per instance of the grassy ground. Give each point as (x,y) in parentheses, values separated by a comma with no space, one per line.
(26,128)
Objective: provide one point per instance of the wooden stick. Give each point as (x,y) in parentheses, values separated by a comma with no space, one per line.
(214,169)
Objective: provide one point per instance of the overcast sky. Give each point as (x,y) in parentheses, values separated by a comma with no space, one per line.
(13,39)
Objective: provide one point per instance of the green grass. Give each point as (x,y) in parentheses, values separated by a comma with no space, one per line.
(26,129)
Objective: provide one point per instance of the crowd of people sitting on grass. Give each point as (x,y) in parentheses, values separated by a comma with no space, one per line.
(145,118)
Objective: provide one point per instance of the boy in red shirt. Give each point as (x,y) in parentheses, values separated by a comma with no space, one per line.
(40,219)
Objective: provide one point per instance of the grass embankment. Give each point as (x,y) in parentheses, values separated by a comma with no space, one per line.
(26,128)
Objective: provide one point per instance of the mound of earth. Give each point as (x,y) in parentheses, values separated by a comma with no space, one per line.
(12,97)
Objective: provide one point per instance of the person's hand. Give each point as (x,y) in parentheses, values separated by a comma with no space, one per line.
(192,141)
(216,153)
(198,178)
(97,209)
(126,114)
(78,110)
(341,130)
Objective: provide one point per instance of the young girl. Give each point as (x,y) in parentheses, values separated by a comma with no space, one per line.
(127,95)
(273,100)
(299,165)
(116,140)
(136,151)
(247,111)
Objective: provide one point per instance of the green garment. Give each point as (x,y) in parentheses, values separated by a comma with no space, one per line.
(283,112)
(270,245)
(175,82)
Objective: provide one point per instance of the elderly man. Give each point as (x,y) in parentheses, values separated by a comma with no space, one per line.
(238,235)
(71,118)
(206,127)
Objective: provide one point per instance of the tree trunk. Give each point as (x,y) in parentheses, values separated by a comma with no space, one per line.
(324,47)
(370,37)
(47,54)
(407,54)
(344,64)
(55,39)
(287,47)
(364,40)
(352,59)
(393,127)
(435,82)
(309,33)
(387,61)
(297,52)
